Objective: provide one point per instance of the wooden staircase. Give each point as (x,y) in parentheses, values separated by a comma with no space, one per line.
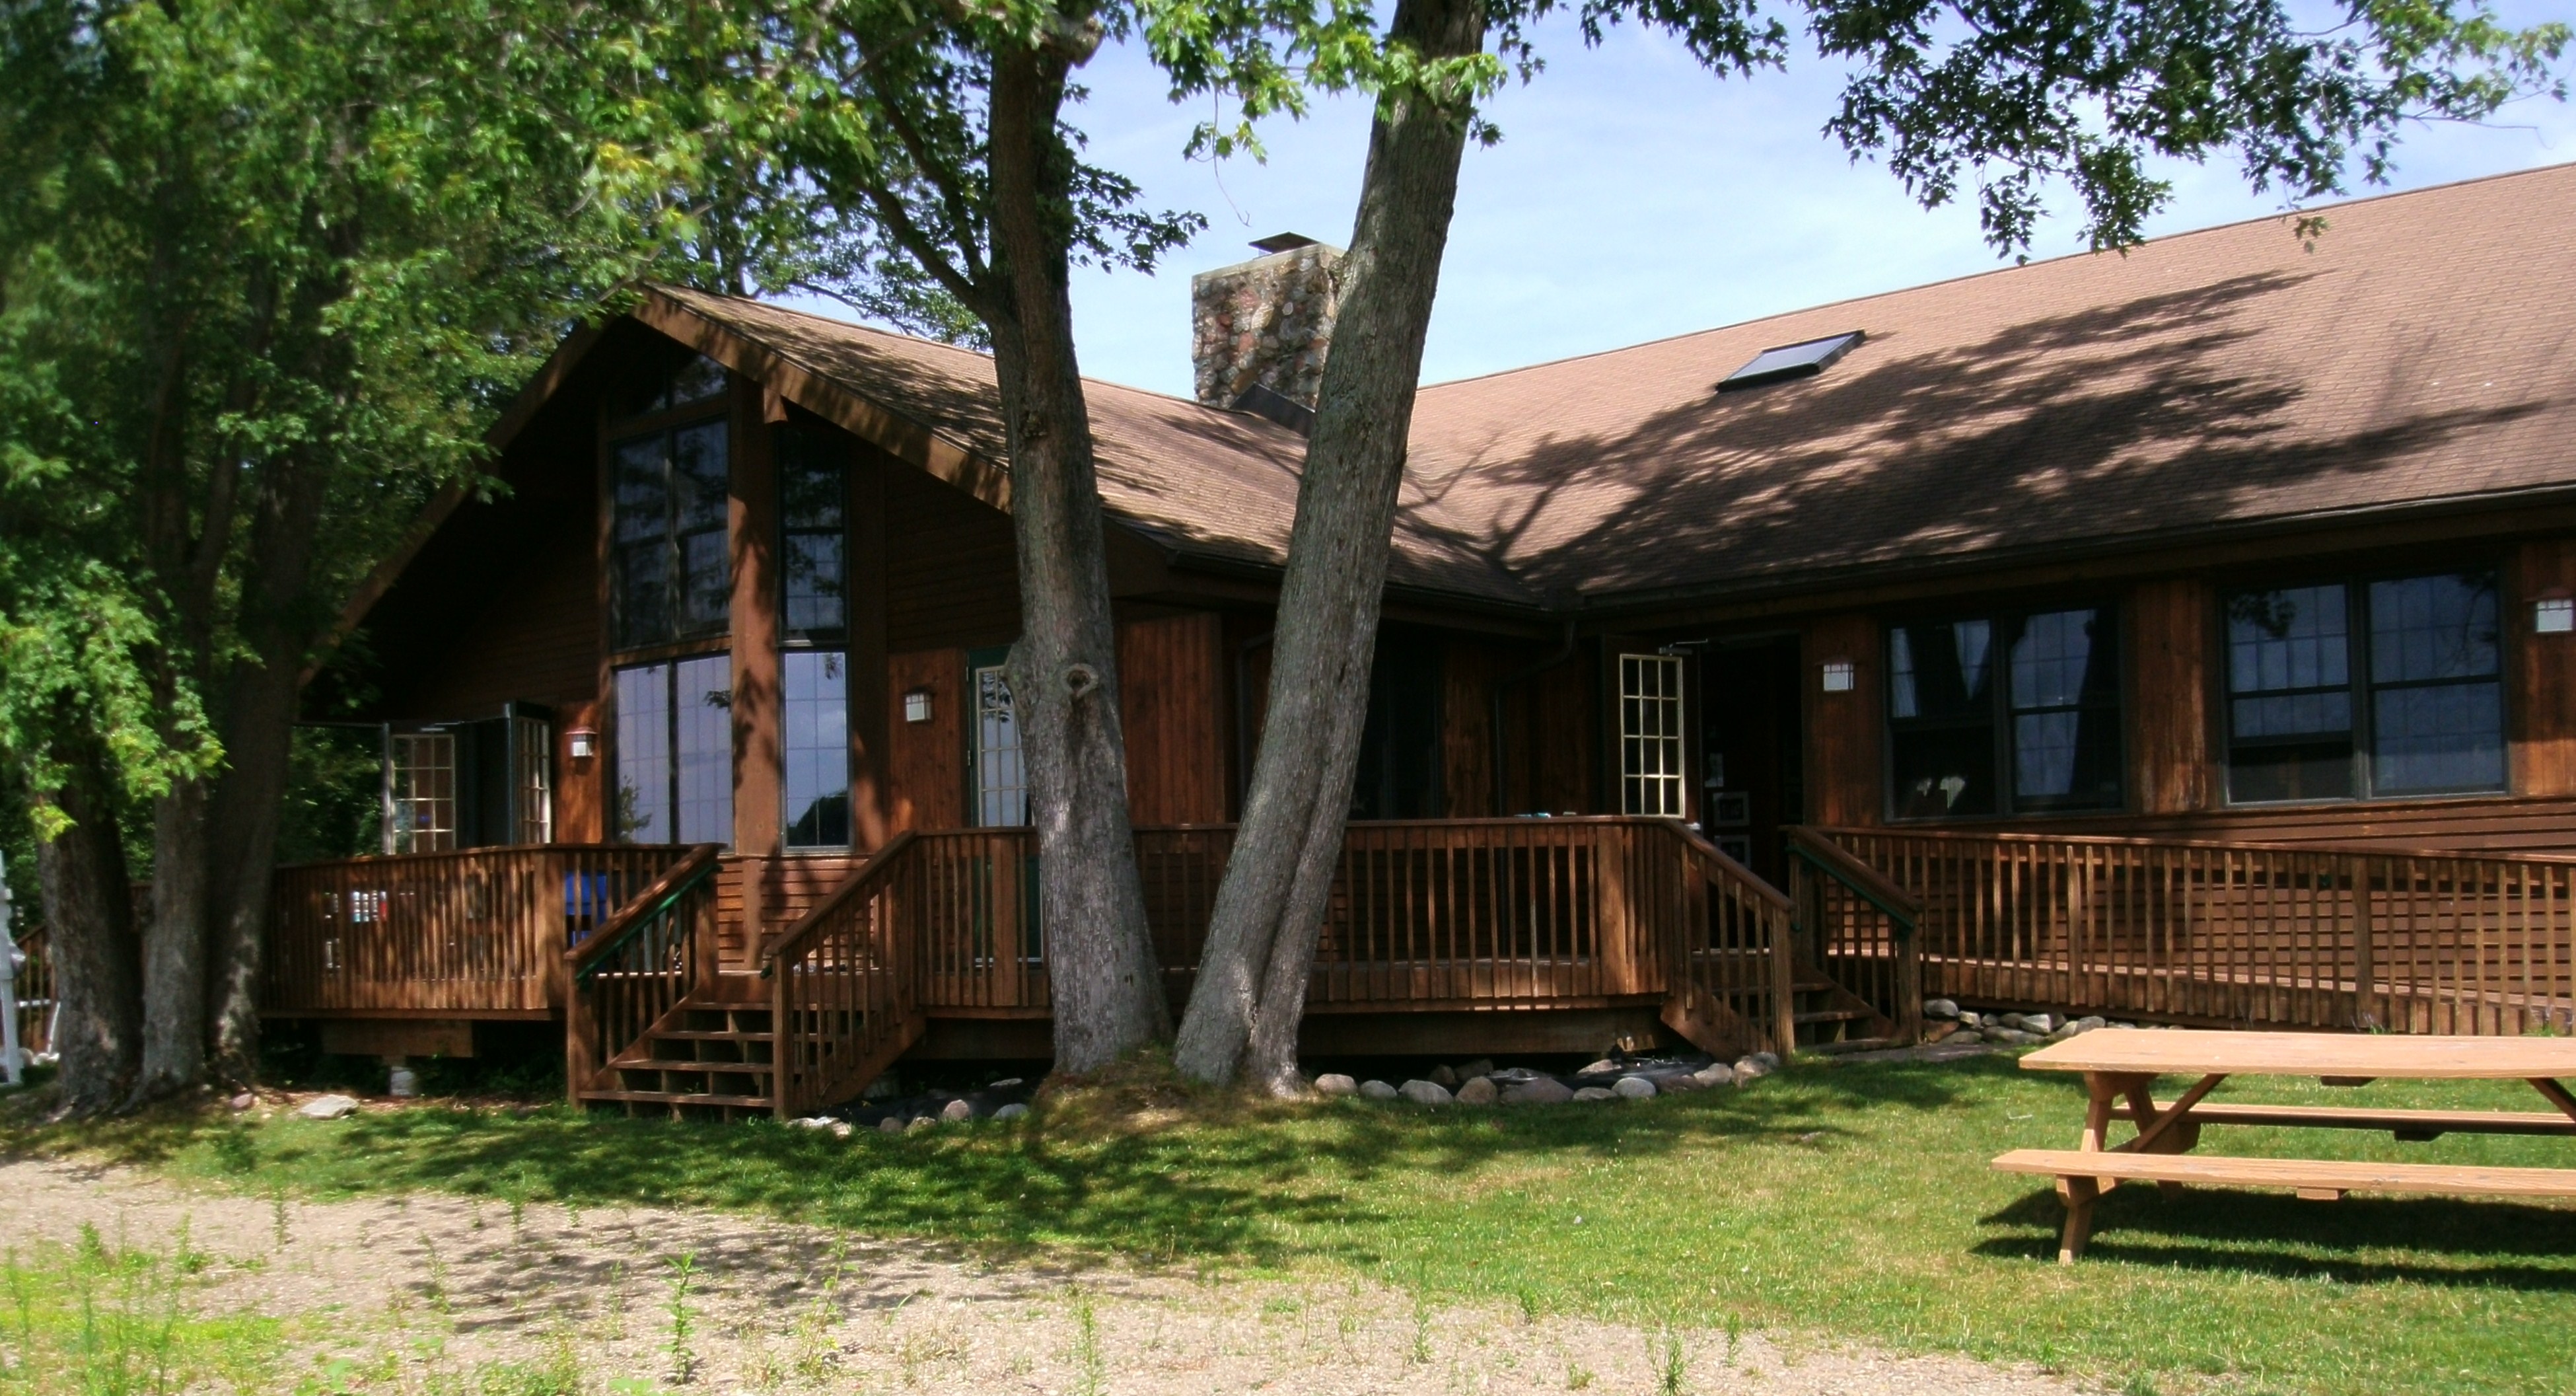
(655,1028)
(1826,1017)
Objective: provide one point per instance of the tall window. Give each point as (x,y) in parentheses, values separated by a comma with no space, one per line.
(1650,735)
(2041,734)
(673,581)
(1001,779)
(420,777)
(816,748)
(532,778)
(675,751)
(2419,711)
(813,546)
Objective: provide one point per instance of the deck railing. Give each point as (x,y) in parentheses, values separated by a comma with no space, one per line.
(655,952)
(842,997)
(1856,929)
(1730,953)
(1423,914)
(35,992)
(480,932)
(2236,933)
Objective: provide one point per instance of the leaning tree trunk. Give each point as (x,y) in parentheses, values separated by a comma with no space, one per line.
(89,919)
(1107,995)
(1252,977)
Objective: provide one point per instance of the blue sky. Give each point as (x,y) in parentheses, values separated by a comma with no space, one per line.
(1633,197)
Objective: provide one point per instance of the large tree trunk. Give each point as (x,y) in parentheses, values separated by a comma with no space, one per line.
(89,919)
(258,715)
(1106,992)
(174,945)
(1252,977)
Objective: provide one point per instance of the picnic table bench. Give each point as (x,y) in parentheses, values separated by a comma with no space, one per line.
(2120,1066)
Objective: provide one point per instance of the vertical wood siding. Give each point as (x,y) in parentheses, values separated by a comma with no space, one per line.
(1172,677)
(2167,685)
(926,761)
(952,571)
(1844,729)
(538,641)
(2543,674)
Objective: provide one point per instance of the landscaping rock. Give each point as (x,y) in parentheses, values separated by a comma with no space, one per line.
(1940,1008)
(891,1124)
(1333,1083)
(824,1122)
(1750,1069)
(1715,1074)
(1538,1090)
(1481,1066)
(1477,1090)
(1425,1093)
(1671,1082)
(1596,1093)
(328,1107)
(1602,1067)
(1377,1090)
(1970,1018)
(1012,1111)
(920,1123)
(956,1112)
(1963,1037)
(1635,1088)
(2039,1023)
(244,1101)
(1443,1077)
(2008,1020)
(1769,1060)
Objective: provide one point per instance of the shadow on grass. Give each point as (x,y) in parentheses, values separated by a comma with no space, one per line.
(2269,1234)
(1255,1181)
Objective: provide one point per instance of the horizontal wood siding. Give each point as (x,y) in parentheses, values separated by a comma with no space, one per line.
(785,888)
(926,761)
(538,642)
(1172,676)
(952,572)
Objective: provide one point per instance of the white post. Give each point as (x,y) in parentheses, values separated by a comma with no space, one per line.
(11,1060)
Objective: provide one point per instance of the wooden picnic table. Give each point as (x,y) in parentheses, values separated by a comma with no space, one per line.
(2120,1066)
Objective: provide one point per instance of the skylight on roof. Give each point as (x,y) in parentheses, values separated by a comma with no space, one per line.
(1802,360)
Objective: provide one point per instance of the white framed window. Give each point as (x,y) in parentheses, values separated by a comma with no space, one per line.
(1651,778)
(420,792)
(1001,774)
(532,771)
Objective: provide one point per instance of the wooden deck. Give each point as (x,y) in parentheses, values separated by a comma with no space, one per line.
(2240,934)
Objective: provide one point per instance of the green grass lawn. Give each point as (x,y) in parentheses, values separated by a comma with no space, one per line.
(1848,1200)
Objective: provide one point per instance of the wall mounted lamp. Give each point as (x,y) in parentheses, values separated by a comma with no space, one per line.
(2553,615)
(1838,676)
(582,743)
(916,705)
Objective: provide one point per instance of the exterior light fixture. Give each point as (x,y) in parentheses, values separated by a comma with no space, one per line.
(2553,615)
(1838,676)
(916,705)
(582,743)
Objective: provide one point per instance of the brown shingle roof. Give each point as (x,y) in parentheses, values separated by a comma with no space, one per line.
(2423,350)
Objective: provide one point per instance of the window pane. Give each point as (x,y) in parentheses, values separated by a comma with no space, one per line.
(2320,770)
(1944,771)
(643,593)
(1940,670)
(2432,628)
(708,583)
(2293,638)
(814,575)
(2055,665)
(2294,714)
(424,795)
(2067,760)
(643,506)
(704,733)
(1001,782)
(644,754)
(698,477)
(2442,737)
(816,746)
(809,481)
(641,509)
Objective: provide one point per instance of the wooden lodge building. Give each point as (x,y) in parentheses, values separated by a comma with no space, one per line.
(2184,633)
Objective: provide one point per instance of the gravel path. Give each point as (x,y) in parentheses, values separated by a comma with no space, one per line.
(429,1290)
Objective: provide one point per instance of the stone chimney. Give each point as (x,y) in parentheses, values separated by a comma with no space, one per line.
(1263,325)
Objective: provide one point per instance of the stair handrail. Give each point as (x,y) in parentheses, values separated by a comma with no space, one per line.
(1699,844)
(880,865)
(1903,908)
(655,901)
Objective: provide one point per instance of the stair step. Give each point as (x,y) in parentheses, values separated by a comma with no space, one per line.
(744,1068)
(1832,1015)
(756,1102)
(1852,1044)
(708,1035)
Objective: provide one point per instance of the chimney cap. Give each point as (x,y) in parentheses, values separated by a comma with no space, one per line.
(1283,242)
